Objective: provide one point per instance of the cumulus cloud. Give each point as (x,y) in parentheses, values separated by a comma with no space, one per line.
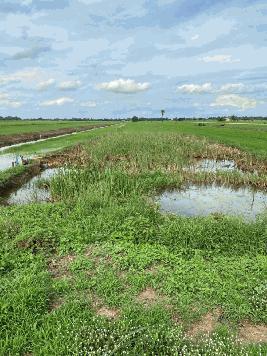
(232,87)
(5,101)
(195,88)
(70,85)
(235,100)
(57,102)
(89,104)
(220,58)
(46,84)
(125,86)
(30,53)
(20,76)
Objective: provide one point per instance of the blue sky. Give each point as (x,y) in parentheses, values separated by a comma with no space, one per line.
(119,58)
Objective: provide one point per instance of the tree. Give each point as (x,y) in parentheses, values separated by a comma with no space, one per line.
(162,113)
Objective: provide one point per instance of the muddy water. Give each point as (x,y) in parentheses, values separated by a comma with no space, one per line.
(212,165)
(30,192)
(203,201)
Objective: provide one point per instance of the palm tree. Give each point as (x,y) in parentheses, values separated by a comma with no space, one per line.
(162,113)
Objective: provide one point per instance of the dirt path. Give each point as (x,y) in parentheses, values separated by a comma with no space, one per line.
(6,140)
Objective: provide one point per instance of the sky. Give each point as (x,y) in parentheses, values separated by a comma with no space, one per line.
(120,58)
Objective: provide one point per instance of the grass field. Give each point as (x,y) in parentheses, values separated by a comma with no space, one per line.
(251,137)
(13,127)
(100,271)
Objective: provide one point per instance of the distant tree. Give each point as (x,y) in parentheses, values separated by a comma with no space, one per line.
(135,119)
(162,113)
(233,118)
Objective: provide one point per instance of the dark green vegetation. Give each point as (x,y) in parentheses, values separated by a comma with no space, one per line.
(28,126)
(101,271)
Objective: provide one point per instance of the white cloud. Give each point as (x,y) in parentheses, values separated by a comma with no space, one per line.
(5,101)
(220,58)
(195,37)
(234,100)
(70,85)
(20,76)
(46,84)
(89,104)
(232,87)
(57,102)
(125,86)
(196,88)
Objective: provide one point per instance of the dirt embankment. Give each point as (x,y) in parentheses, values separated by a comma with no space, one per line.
(8,140)
(17,180)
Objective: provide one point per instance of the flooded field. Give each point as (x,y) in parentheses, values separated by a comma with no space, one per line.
(34,190)
(203,201)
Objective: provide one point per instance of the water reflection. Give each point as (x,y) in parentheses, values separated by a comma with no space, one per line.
(33,191)
(202,201)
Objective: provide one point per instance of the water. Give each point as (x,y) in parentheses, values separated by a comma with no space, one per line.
(7,159)
(30,192)
(212,165)
(206,200)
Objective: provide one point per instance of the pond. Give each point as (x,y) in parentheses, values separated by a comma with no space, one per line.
(206,200)
(31,191)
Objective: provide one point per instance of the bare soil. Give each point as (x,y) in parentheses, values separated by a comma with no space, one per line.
(108,313)
(250,333)
(149,297)
(206,325)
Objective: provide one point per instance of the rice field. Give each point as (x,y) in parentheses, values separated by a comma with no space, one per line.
(13,127)
(100,270)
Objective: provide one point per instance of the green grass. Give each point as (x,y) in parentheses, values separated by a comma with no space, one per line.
(9,127)
(103,243)
(249,137)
